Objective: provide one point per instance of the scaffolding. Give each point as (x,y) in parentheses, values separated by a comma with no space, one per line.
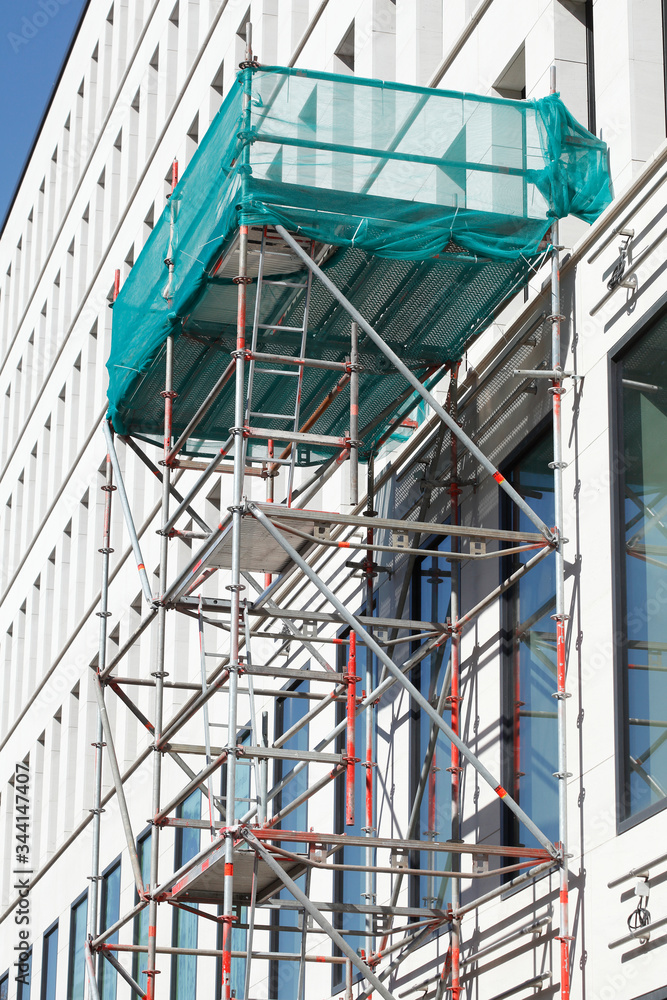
(268,549)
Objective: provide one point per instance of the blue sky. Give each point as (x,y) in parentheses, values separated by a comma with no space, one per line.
(34,39)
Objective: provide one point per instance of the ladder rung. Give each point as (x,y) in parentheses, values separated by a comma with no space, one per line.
(280,328)
(272,416)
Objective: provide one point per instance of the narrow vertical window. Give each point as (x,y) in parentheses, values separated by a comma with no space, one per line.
(109,914)
(24,979)
(184,928)
(531,751)
(350,886)
(242,800)
(431,591)
(284,976)
(49,963)
(76,977)
(4,986)
(642,504)
(140,929)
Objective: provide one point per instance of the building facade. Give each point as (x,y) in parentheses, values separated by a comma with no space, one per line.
(140,86)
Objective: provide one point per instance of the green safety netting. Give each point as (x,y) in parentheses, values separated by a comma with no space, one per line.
(436,204)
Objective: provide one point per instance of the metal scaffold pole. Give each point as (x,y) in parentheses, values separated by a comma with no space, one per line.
(160,674)
(235,587)
(103,613)
(557,390)
(454,695)
(369,827)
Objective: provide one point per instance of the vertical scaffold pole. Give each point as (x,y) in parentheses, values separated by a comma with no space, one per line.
(207,729)
(241,280)
(350,749)
(354,414)
(370,713)
(557,391)
(106,550)
(168,396)
(263,774)
(454,696)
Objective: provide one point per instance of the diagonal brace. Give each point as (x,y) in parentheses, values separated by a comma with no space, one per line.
(415,694)
(310,908)
(476,452)
(127,513)
(118,783)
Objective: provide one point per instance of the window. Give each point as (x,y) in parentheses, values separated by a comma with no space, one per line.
(4,986)
(76,980)
(284,976)
(140,929)
(351,885)
(431,590)
(49,963)
(642,537)
(242,800)
(184,927)
(529,710)
(109,914)
(24,978)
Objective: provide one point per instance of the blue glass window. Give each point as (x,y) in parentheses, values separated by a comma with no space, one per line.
(642,503)
(242,799)
(23,984)
(76,981)
(350,886)
(49,963)
(4,986)
(140,929)
(284,976)
(531,749)
(110,912)
(431,589)
(184,928)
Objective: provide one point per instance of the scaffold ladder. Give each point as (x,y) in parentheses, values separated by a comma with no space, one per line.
(293,417)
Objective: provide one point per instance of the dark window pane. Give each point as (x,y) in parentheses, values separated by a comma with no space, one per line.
(532,676)
(184,928)
(432,590)
(350,886)
(4,986)
(140,930)
(49,964)
(643,475)
(24,979)
(285,975)
(77,961)
(110,912)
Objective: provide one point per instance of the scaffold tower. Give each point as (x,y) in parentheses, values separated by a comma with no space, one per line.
(316,277)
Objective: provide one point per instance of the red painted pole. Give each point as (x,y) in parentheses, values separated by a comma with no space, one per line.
(455,696)
(351,727)
(226,958)
(116,284)
(268,577)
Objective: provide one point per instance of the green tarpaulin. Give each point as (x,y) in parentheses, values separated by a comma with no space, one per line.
(438,204)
